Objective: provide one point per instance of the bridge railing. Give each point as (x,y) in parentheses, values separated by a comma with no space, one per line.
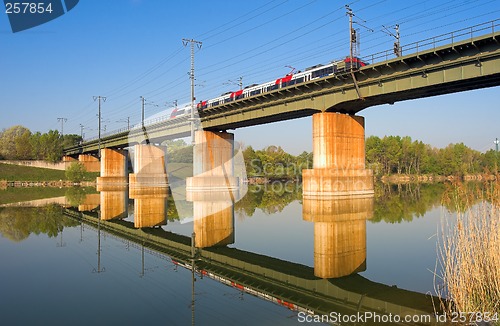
(450,38)
(147,123)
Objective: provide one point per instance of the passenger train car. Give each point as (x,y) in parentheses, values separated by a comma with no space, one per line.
(308,74)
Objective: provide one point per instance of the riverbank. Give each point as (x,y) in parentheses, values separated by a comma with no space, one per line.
(406,178)
(27,176)
(389,179)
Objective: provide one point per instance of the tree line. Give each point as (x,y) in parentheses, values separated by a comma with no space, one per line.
(19,143)
(401,155)
(385,156)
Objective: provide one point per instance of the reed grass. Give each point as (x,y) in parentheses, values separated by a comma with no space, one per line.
(469,253)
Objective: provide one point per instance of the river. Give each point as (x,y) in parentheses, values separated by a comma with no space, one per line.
(272,258)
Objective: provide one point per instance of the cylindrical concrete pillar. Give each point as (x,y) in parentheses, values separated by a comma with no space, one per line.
(149,166)
(113,166)
(338,158)
(213,153)
(213,166)
(90,163)
(338,141)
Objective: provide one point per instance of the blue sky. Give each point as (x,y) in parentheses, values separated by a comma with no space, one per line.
(131,48)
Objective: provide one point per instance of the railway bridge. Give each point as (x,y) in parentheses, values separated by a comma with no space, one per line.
(455,62)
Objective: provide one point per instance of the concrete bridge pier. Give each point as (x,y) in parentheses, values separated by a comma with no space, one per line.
(213,164)
(149,166)
(213,213)
(213,189)
(150,206)
(113,167)
(338,158)
(339,234)
(91,163)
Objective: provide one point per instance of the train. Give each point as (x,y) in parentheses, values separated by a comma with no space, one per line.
(310,73)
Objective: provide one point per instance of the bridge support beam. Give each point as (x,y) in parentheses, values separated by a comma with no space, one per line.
(339,234)
(338,158)
(149,167)
(113,167)
(213,162)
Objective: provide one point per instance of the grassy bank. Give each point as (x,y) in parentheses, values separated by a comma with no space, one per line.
(15,195)
(25,173)
(470,255)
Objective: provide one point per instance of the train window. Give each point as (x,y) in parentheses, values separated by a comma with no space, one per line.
(274,87)
(299,80)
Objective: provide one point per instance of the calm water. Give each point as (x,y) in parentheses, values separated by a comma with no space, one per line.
(272,259)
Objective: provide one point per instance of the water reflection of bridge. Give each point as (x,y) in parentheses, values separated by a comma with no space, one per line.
(340,249)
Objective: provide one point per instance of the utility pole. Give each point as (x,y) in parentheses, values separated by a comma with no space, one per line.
(142,110)
(99,98)
(397,45)
(63,120)
(352,34)
(496,144)
(81,130)
(191,76)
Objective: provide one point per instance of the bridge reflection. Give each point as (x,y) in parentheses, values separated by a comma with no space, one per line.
(332,285)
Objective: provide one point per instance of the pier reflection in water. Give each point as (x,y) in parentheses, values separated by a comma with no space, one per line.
(331,284)
(339,234)
(150,206)
(113,202)
(213,217)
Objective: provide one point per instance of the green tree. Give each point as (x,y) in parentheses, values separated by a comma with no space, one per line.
(491,161)
(15,144)
(76,172)
(51,144)
(71,140)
